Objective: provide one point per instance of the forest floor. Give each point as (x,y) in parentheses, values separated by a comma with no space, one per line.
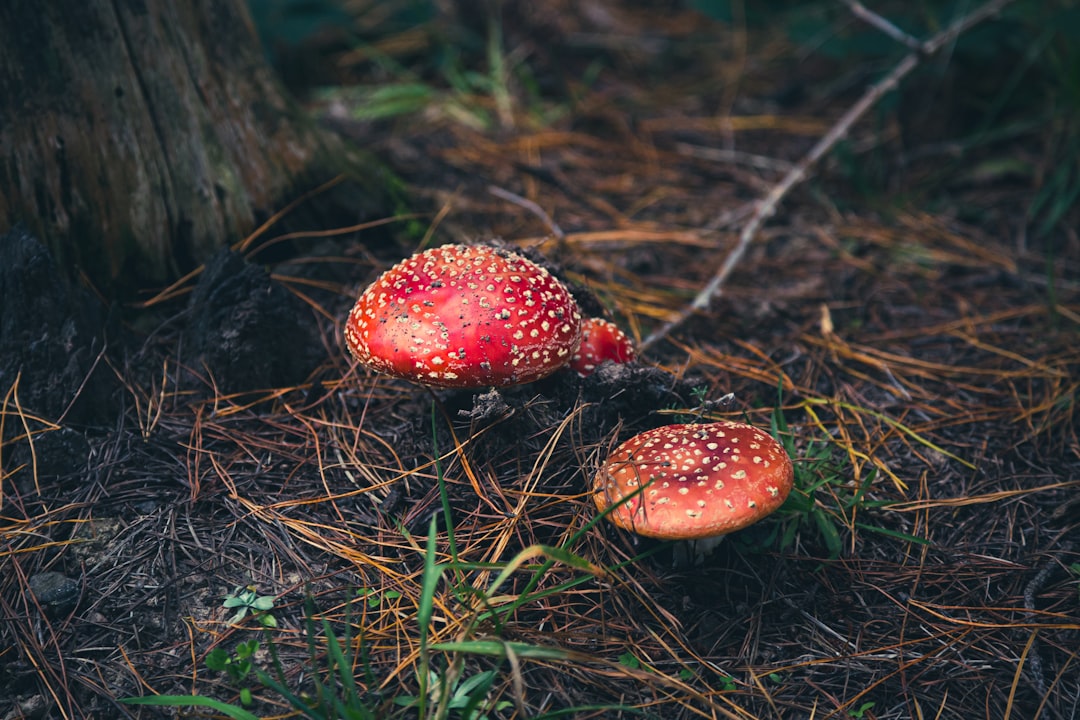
(908,323)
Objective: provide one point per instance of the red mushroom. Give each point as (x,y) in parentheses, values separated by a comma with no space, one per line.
(601,340)
(687,482)
(465,316)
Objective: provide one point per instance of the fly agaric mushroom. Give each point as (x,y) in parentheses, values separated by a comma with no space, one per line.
(601,340)
(691,482)
(465,316)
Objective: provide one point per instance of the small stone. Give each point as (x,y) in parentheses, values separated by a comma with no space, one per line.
(32,707)
(145,507)
(54,592)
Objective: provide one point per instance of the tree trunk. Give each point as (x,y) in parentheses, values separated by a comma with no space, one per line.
(138,136)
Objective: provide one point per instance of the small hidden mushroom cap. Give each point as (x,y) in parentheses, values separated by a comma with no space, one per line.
(601,340)
(467,317)
(694,481)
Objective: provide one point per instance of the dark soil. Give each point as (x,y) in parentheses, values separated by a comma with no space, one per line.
(921,355)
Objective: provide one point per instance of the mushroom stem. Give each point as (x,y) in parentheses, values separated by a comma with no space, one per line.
(692,553)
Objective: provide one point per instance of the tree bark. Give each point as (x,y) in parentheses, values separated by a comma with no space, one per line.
(138,136)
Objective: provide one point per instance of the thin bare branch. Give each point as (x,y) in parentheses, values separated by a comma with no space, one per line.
(767,207)
(872,18)
(530,206)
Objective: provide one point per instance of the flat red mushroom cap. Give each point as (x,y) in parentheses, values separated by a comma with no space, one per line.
(601,340)
(699,481)
(465,316)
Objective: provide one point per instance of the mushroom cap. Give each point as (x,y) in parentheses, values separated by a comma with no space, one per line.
(694,481)
(601,340)
(465,316)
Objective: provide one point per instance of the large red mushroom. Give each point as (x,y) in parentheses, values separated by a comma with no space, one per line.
(467,317)
(688,482)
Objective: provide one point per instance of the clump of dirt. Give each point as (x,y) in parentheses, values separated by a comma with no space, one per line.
(239,321)
(51,339)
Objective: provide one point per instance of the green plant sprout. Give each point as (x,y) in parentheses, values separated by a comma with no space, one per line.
(237,666)
(245,600)
(374,598)
(335,694)
(823,500)
(860,712)
(464,697)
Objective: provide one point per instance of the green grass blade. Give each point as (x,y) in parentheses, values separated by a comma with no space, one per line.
(313,652)
(575,711)
(444,496)
(894,424)
(475,690)
(429,581)
(549,563)
(350,666)
(337,656)
(868,481)
(309,710)
(828,532)
(392,100)
(552,553)
(231,711)
(529,595)
(428,584)
(498,649)
(894,534)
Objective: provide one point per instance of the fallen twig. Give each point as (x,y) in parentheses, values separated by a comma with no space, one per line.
(530,206)
(1036,670)
(872,18)
(767,206)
